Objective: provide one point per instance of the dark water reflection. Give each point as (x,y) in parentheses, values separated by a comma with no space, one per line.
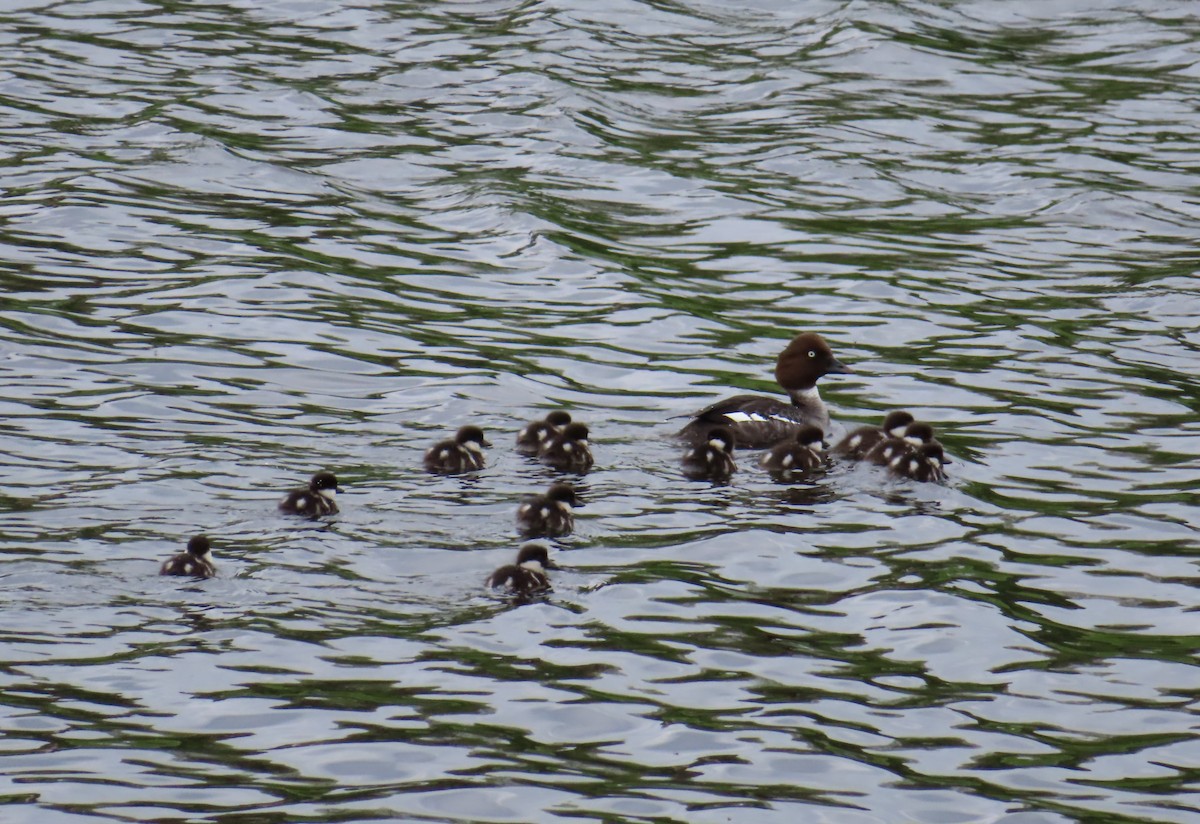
(243,242)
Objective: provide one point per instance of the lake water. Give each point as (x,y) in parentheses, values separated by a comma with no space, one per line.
(245,241)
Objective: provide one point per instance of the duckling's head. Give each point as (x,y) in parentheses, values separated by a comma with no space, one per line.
(811,436)
(720,437)
(535,556)
(563,493)
(471,435)
(324,483)
(575,432)
(918,433)
(199,546)
(896,421)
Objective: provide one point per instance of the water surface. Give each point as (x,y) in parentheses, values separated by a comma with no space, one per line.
(246,241)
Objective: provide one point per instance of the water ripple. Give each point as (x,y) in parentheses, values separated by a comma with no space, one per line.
(248,241)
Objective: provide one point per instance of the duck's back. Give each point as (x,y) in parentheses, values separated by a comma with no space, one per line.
(756,420)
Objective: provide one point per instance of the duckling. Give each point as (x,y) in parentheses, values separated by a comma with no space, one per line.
(531,439)
(712,459)
(463,453)
(548,515)
(528,574)
(800,454)
(922,464)
(858,443)
(915,436)
(568,451)
(315,500)
(197,562)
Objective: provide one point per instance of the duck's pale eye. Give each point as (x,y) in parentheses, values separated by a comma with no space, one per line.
(811,353)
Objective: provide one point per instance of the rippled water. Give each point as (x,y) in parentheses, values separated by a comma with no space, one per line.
(244,241)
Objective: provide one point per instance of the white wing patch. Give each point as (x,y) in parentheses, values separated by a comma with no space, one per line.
(744,417)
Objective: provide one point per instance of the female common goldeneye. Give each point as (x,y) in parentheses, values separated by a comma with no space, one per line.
(315,500)
(531,439)
(915,436)
(462,453)
(548,515)
(759,420)
(528,574)
(197,562)
(858,443)
(712,459)
(922,464)
(801,454)
(568,451)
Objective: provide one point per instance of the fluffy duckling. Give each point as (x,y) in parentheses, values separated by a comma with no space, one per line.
(315,500)
(800,454)
(534,436)
(548,515)
(858,443)
(197,562)
(528,574)
(568,451)
(712,459)
(922,464)
(462,453)
(915,436)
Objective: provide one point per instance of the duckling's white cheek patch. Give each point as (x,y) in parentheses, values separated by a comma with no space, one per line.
(302,503)
(788,460)
(545,513)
